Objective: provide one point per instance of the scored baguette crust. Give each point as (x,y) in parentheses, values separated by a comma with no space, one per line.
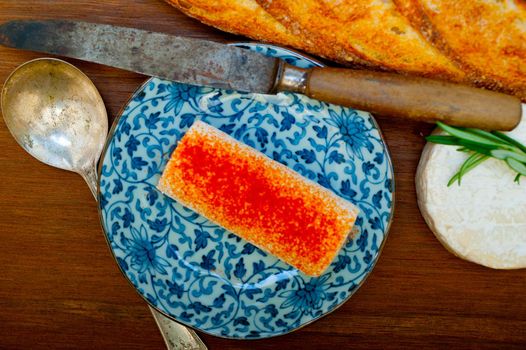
(486,38)
(373,30)
(257,198)
(242,17)
(299,16)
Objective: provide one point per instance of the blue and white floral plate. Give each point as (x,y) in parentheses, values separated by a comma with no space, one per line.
(196,272)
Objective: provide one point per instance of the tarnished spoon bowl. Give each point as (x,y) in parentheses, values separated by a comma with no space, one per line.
(57,115)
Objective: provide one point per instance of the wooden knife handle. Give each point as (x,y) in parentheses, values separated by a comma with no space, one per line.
(405,97)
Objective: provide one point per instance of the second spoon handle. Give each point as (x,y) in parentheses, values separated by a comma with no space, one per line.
(175,335)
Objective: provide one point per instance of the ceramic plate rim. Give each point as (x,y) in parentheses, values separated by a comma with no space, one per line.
(151,305)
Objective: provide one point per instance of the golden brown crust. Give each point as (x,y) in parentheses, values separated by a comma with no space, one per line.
(487,38)
(371,30)
(303,19)
(244,17)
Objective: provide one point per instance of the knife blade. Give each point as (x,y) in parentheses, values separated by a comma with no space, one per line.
(202,62)
(198,62)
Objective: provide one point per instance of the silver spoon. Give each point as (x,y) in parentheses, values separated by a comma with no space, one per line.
(56,114)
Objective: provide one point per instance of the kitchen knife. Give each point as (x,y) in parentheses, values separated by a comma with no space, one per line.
(202,62)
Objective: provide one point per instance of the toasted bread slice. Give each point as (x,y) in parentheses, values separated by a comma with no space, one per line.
(244,17)
(487,38)
(258,199)
(373,30)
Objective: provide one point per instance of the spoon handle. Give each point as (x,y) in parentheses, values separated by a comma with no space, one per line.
(90,176)
(175,335)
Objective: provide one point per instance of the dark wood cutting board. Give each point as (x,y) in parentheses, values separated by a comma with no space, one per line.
(60,287)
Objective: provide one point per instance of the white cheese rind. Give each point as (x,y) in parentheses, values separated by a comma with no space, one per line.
(484,219)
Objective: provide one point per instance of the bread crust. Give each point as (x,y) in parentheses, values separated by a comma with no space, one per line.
(303,18)
(243,17)
(486,38)
(372,30)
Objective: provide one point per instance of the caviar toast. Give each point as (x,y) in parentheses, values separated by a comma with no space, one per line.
(257,198)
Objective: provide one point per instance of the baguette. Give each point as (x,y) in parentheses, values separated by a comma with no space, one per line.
(479,42)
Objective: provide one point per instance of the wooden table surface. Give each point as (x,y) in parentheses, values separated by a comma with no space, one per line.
(60,287)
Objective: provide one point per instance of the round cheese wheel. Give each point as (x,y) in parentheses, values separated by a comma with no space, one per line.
(484,219)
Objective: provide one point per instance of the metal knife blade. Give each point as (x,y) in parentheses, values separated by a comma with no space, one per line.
(187,60)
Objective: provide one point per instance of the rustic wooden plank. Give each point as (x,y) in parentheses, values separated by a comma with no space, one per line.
(60,287)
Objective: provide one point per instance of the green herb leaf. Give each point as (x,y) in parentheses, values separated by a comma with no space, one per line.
(487,135)
(442,139)
(517,166)
(484,145)
(470,163)
(472,146)
(505,154)
(510,140)
(464,134)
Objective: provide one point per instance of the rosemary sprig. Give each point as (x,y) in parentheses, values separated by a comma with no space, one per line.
(474,160)
(482,145)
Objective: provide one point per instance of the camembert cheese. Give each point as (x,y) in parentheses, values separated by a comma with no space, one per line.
(484,219)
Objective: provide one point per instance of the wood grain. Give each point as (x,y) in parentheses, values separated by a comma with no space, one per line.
(60,288)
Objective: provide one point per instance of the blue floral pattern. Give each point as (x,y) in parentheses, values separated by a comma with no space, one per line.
(197,272)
